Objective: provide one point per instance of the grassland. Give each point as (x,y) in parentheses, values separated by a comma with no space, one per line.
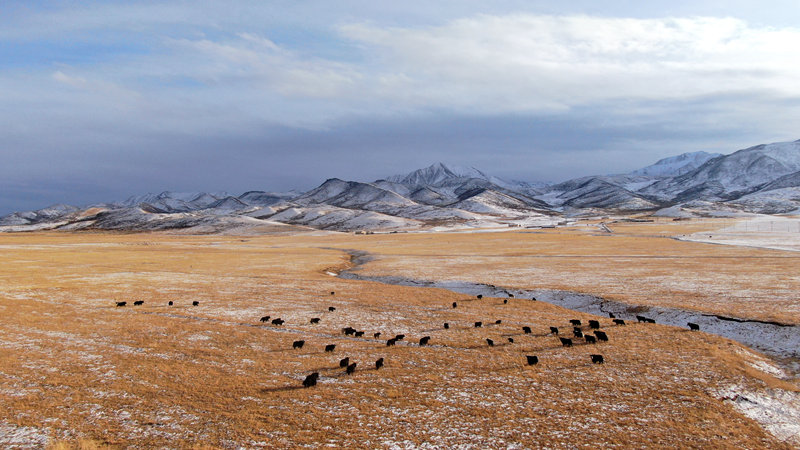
(73,367)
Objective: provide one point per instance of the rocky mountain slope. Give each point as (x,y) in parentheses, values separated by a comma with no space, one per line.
(762,179)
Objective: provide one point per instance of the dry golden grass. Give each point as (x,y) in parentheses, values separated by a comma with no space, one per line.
(85,373)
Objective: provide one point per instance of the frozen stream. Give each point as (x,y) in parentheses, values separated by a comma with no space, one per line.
(781,341)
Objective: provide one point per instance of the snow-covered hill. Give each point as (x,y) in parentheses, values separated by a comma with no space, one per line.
(675,165)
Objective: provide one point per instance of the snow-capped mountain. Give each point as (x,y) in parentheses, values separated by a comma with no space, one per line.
(675,165)
(764,178)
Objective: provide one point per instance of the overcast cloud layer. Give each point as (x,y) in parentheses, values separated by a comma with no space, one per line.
(99,101)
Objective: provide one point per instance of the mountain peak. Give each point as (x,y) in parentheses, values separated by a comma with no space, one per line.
(676,165)
(436,173)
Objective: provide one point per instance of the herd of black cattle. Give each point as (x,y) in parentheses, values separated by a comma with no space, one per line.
(531,360)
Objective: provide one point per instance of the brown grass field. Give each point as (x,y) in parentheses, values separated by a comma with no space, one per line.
(77,371)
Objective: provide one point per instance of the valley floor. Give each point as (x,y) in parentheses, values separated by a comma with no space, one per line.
(74,367)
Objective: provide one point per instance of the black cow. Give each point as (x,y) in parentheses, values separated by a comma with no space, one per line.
(566,342)
(376,335)
(424,340)
(359,333)
(170,303)
(498,322)
(575,322)
(344,362)
(533,298)
(378,363)
(694,326)
(597,359)
(331,309)
(532,360)
(311,380)
(195,303)
(505,301)
(348,331)
(641,319)
(490,342)
(554,330)
(510,295)
(611,316)
(593,324)
(619,322)
(298,344)
(478,324)
(391,342)
(510,340)
(330,347)
(333,293)
(590,339)
(122,303)
(479,296)
(455,305)
(278,321)
(651,320)
(138,302)
(315,320)
(446,326)
(400,337)
(265,319)
(577,332)
(526,330)
(351,368)
(601,336)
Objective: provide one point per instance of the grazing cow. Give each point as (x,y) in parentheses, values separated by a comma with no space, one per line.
(330,347)
(195,303)
(478,324)
(446,326)
(601,336)
(391,342)
(498,322)
(351,368)
(651,320)
(400,337)
(490,342)
(566,342)
(344,362)
(298,344)
(533,298)
(455,305)
(641,319)
(331,309)
(311,380)
(554,330)
(333,293)
(265,319)
(526,330)
(593,324)
(575,322)
(694,326)
(510,340)
(424,340)
(611,316)
(510,295)
(278,321)
(597,359)
(122,303)
(348,330)
(505,301)
(138,302)
(170,303)
(376,335)
(532,360)
(315,320)
(480,296)
(577,332)
(590,339)
(378,363)
(359,333)
(619,322)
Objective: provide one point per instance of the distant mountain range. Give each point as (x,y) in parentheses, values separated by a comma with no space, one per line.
(760,179)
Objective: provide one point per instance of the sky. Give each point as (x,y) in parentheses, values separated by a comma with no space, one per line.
(103,100)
